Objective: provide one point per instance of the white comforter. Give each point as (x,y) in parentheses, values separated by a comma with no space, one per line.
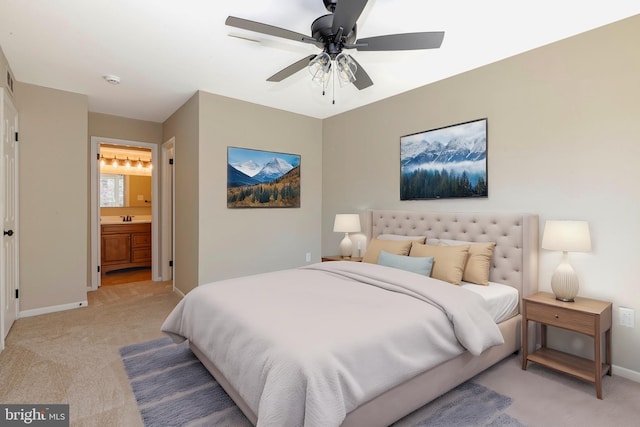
(304,347)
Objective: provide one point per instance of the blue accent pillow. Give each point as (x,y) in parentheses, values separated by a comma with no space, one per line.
(420,265)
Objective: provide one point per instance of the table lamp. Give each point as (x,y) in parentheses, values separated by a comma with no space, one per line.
(346,223)
(566,236)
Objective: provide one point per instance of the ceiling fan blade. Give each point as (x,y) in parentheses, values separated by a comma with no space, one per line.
(363,80)
(270,30)
(407,41)
(346,14)
(291,69)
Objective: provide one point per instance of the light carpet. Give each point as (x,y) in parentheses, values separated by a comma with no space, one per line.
(172,388)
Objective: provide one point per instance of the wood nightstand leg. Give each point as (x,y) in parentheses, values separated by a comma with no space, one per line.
(525,344)
(597,342)
(607,351)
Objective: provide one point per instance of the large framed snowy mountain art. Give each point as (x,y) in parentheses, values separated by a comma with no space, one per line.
(447,162)
(262,179)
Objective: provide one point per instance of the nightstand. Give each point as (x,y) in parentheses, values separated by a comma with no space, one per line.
(586,316)
(340,258)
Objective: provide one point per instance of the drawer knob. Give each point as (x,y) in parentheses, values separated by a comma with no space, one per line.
(556,316)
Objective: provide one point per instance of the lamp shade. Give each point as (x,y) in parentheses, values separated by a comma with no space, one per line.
(347,223)
(566,236)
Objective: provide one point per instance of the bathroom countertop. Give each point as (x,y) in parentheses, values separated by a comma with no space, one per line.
(135,219)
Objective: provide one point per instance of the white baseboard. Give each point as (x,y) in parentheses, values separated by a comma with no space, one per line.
(626,373)
(178,291)
(53,309)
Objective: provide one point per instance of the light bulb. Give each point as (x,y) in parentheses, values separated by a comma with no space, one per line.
(346,68)
(139,163)
(128,164)
(114,163)
(319,68)
(102,162)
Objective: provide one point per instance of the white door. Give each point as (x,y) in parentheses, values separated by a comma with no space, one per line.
(9,211)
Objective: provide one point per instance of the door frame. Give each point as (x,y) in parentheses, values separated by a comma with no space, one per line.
(4,98)
(95,206)
(168,209)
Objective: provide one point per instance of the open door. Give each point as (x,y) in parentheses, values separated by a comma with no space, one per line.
(9,267)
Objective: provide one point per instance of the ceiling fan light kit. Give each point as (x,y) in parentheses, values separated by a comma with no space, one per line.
(334,32)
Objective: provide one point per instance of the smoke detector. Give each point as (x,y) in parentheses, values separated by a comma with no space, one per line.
(112,79)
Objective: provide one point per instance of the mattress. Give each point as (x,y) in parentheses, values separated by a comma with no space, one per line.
(502,300)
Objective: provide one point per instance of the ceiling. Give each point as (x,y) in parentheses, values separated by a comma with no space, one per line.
(165,50)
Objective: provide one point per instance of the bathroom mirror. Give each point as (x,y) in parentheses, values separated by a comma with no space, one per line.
(117,190)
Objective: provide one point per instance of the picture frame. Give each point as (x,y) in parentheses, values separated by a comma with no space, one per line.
(447,162)
(262,179)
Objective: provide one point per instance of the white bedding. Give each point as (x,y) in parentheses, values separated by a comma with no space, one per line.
(502,300)
(304,347)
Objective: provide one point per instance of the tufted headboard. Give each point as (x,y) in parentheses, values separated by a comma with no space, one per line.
(515,258)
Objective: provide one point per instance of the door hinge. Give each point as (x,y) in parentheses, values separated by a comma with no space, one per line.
(16,136)
(170,161)
(17,293)
(98,156)
(98,269)
(171,263)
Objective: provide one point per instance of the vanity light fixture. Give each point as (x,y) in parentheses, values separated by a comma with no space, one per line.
(127,163)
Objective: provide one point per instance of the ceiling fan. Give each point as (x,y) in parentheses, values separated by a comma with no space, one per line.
(334,32)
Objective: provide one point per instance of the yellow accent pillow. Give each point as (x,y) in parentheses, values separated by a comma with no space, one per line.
(448,261)
(479,262)
(396,247)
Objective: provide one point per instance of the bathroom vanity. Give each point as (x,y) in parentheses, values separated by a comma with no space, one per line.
(125,245)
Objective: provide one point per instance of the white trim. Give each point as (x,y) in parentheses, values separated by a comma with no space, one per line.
(168,211)
(95,209)
(53,309)
(625,373)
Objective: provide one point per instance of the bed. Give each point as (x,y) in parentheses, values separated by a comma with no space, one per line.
(369,369)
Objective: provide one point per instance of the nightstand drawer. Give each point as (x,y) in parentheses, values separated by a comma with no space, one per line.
(562,318)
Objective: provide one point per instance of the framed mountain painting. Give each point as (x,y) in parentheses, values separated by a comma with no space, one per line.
(447,162)
(262,179)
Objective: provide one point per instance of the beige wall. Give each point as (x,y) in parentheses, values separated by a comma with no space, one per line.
(563,143)
(237,242)
(108,126)
(213,242)
(53,196)
(183,125)
(4,68)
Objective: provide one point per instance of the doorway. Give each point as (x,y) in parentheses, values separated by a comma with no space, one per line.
(136,251)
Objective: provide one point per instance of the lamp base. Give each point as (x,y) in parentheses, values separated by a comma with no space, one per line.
(564,282)
(346,246)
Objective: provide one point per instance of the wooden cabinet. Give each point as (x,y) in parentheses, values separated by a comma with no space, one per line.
(586,316)
(125,245)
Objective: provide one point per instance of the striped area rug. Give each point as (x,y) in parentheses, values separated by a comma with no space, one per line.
(172,388)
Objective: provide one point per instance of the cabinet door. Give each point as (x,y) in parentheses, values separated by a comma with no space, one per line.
(116,248)
(141,240)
